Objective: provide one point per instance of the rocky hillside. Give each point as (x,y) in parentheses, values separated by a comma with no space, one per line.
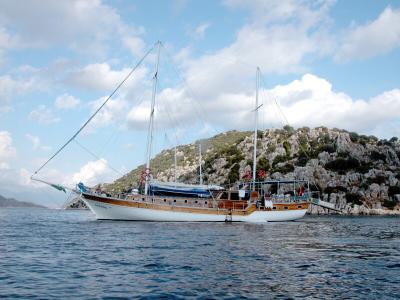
(360,174)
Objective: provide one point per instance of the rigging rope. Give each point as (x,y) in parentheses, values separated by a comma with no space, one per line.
(305,151)
(192,94)
(98,158)
(95,113)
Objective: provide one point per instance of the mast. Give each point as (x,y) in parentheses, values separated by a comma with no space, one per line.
(255,129)
(200,175)
(175,164)
(150,129)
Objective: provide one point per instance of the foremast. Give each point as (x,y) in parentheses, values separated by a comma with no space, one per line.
(151,123)
(256,128)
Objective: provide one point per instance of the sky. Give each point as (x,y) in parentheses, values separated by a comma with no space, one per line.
(323,63)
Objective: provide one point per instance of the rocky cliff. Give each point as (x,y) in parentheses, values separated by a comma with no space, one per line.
(360,174)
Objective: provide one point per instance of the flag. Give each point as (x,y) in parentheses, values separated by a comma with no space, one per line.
(58,187)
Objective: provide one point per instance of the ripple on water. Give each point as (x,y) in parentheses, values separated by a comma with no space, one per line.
(64,254)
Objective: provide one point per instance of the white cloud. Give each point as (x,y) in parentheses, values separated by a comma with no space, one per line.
(7,150)
(309,101)
(219,87)
(94,172)
(43,115)
(100,77)
(7,42)
(135,44)
(278,39)
(10,87)
(377,37)
(200,30)
(84,26)
(304,13)
(36,143)
(5,109)
(113,112)
(4,165)
(66,101)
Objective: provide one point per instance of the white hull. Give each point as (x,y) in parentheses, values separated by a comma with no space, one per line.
(107,211)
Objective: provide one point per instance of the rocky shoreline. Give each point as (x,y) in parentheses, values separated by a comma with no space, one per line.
(356,210)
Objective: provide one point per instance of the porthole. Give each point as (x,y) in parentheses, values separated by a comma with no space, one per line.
(286,207)
(205,202)
(142,199)
(299,206)
(195,201)
(174,200)
(165,200)
(185,201)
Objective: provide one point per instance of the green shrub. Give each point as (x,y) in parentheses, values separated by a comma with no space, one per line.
(263,164)
(234,173)
(389,203)
(289,129)
(353,198)
(325,138)
(287,147)
(330,148)
(375,155)
(379,179)
(342,165)
(279,159)
(354,137)
(393,190)
(287,168)
(364,167)
(302,159)
(335,189)
(271,148)
(303,142)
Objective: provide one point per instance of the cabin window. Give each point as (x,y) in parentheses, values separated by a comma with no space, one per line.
(224,195)
(235,196)
(286,207)
(274,207)
(299,206)
(142,199)
(174,200)
(185,201)
(165,200)
(205,202)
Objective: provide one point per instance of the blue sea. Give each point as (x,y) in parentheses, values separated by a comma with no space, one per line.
(49,254)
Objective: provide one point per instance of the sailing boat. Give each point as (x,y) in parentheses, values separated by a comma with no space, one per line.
(257,201)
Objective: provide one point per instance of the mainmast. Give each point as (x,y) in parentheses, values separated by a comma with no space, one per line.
(150,129)
(200,175)
(255,128)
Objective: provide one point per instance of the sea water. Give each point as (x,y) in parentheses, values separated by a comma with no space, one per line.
(62,254)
